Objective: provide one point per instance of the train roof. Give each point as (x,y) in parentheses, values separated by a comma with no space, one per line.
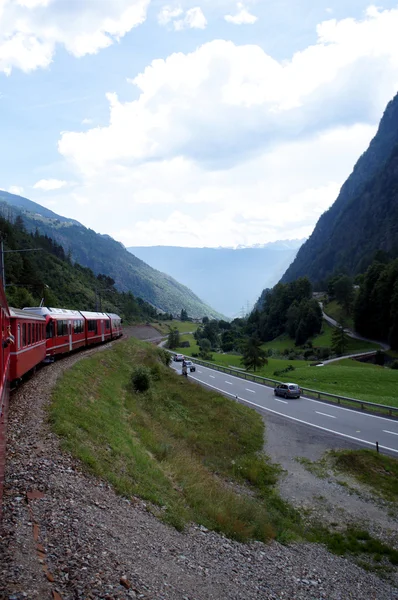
(24,314)
(94,315)
(54,312)
(113,316)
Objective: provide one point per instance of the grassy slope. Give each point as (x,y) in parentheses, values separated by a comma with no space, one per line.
(182,326)
(334,310)
(346,377)
(176,446)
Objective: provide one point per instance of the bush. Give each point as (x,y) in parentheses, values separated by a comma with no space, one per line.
(286,370)
(164,356)
(395,365)
(141,378)
(185,344)
(195,355)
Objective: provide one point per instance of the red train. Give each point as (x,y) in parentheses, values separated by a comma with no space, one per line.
(33,335)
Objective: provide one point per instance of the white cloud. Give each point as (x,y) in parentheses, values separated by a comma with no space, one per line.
(15,189)
(232,145)
(49,184)
(31,29)
(242,17)
(194,19)
(87,121)
(168,13)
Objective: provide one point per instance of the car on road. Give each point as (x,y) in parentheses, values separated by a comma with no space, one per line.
(288,390)
(190,366)
(178,357)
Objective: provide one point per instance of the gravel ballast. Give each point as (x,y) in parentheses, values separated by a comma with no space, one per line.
(67,535)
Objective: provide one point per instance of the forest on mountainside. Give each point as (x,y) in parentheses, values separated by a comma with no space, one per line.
(376,306)
(44,271)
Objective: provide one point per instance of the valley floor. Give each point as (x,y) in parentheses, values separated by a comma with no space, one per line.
(77,539)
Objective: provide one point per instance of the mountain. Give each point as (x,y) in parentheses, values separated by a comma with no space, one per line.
(104,255)
(47,274)
(226,278)
(364,218)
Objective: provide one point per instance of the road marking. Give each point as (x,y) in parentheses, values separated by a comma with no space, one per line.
(325,415)
(199,371)
(392,432)
(344,435)
(252,391)
(283,401)
(229,382)
(212,376)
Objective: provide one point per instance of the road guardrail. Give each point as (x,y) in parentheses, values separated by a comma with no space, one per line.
(392,411)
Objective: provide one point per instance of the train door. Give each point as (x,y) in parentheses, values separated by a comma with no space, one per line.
(103,331)
(70,336)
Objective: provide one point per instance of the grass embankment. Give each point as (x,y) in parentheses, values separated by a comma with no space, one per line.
(333,309)
(179,447)
(182,326)
(347,377)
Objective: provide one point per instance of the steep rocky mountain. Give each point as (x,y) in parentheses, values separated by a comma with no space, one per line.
(226,278)
(103,254)
(364,218)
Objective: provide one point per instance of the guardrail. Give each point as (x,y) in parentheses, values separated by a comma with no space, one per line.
(392,411)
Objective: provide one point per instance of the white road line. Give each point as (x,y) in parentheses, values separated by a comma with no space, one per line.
(212,376)
(229,382)
(283,401)
(252,391)
(325,415)
(392,432)
(344,435)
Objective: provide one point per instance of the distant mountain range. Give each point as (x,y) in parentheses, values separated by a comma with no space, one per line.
(103,254)
(363,219)
(229,279)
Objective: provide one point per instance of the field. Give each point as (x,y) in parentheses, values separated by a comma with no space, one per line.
(182,326)
(333,309)
(191,454)
(346,377)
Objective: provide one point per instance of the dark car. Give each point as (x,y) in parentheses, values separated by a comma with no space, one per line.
(190,366)
(287,390)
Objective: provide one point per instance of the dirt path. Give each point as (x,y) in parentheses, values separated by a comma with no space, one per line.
(68,536)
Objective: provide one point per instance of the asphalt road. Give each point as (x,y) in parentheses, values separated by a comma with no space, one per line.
(356,426)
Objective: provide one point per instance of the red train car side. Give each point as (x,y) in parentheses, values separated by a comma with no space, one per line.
(5,347)
(116,325)
(65,329)
(29,348)
(98,327)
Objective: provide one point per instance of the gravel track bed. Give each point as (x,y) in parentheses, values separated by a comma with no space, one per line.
(66,535)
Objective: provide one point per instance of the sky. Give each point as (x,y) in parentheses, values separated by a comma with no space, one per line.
(195,122)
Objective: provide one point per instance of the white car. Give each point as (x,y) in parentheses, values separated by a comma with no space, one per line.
(190,366)
(178,357)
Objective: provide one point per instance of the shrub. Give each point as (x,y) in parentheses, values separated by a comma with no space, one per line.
(185,344)
(141,378)
(286,370)
(164,356)
(394,364)
(195,355)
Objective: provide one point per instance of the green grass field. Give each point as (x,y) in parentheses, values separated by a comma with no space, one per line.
(334,310)
(178,446)
(182,326)
(347,377)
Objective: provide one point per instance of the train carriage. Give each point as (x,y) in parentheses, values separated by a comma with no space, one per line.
(65,329)
(5,348)
(29,347)
(97,326)
(116,325)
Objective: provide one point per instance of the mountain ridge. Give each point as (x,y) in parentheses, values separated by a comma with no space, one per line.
(344,238)
(104,255)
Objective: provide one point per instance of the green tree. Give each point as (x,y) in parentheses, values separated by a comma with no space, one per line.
(184,315)
(205,348)
(254,356)
(173,340)
(339,340)
(344,293)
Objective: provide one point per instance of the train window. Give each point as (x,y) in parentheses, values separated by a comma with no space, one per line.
(108,324)
(33,333)
(19,337)
(37,333)
(29,333)
(50,329)
(92,325)
(24,334)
